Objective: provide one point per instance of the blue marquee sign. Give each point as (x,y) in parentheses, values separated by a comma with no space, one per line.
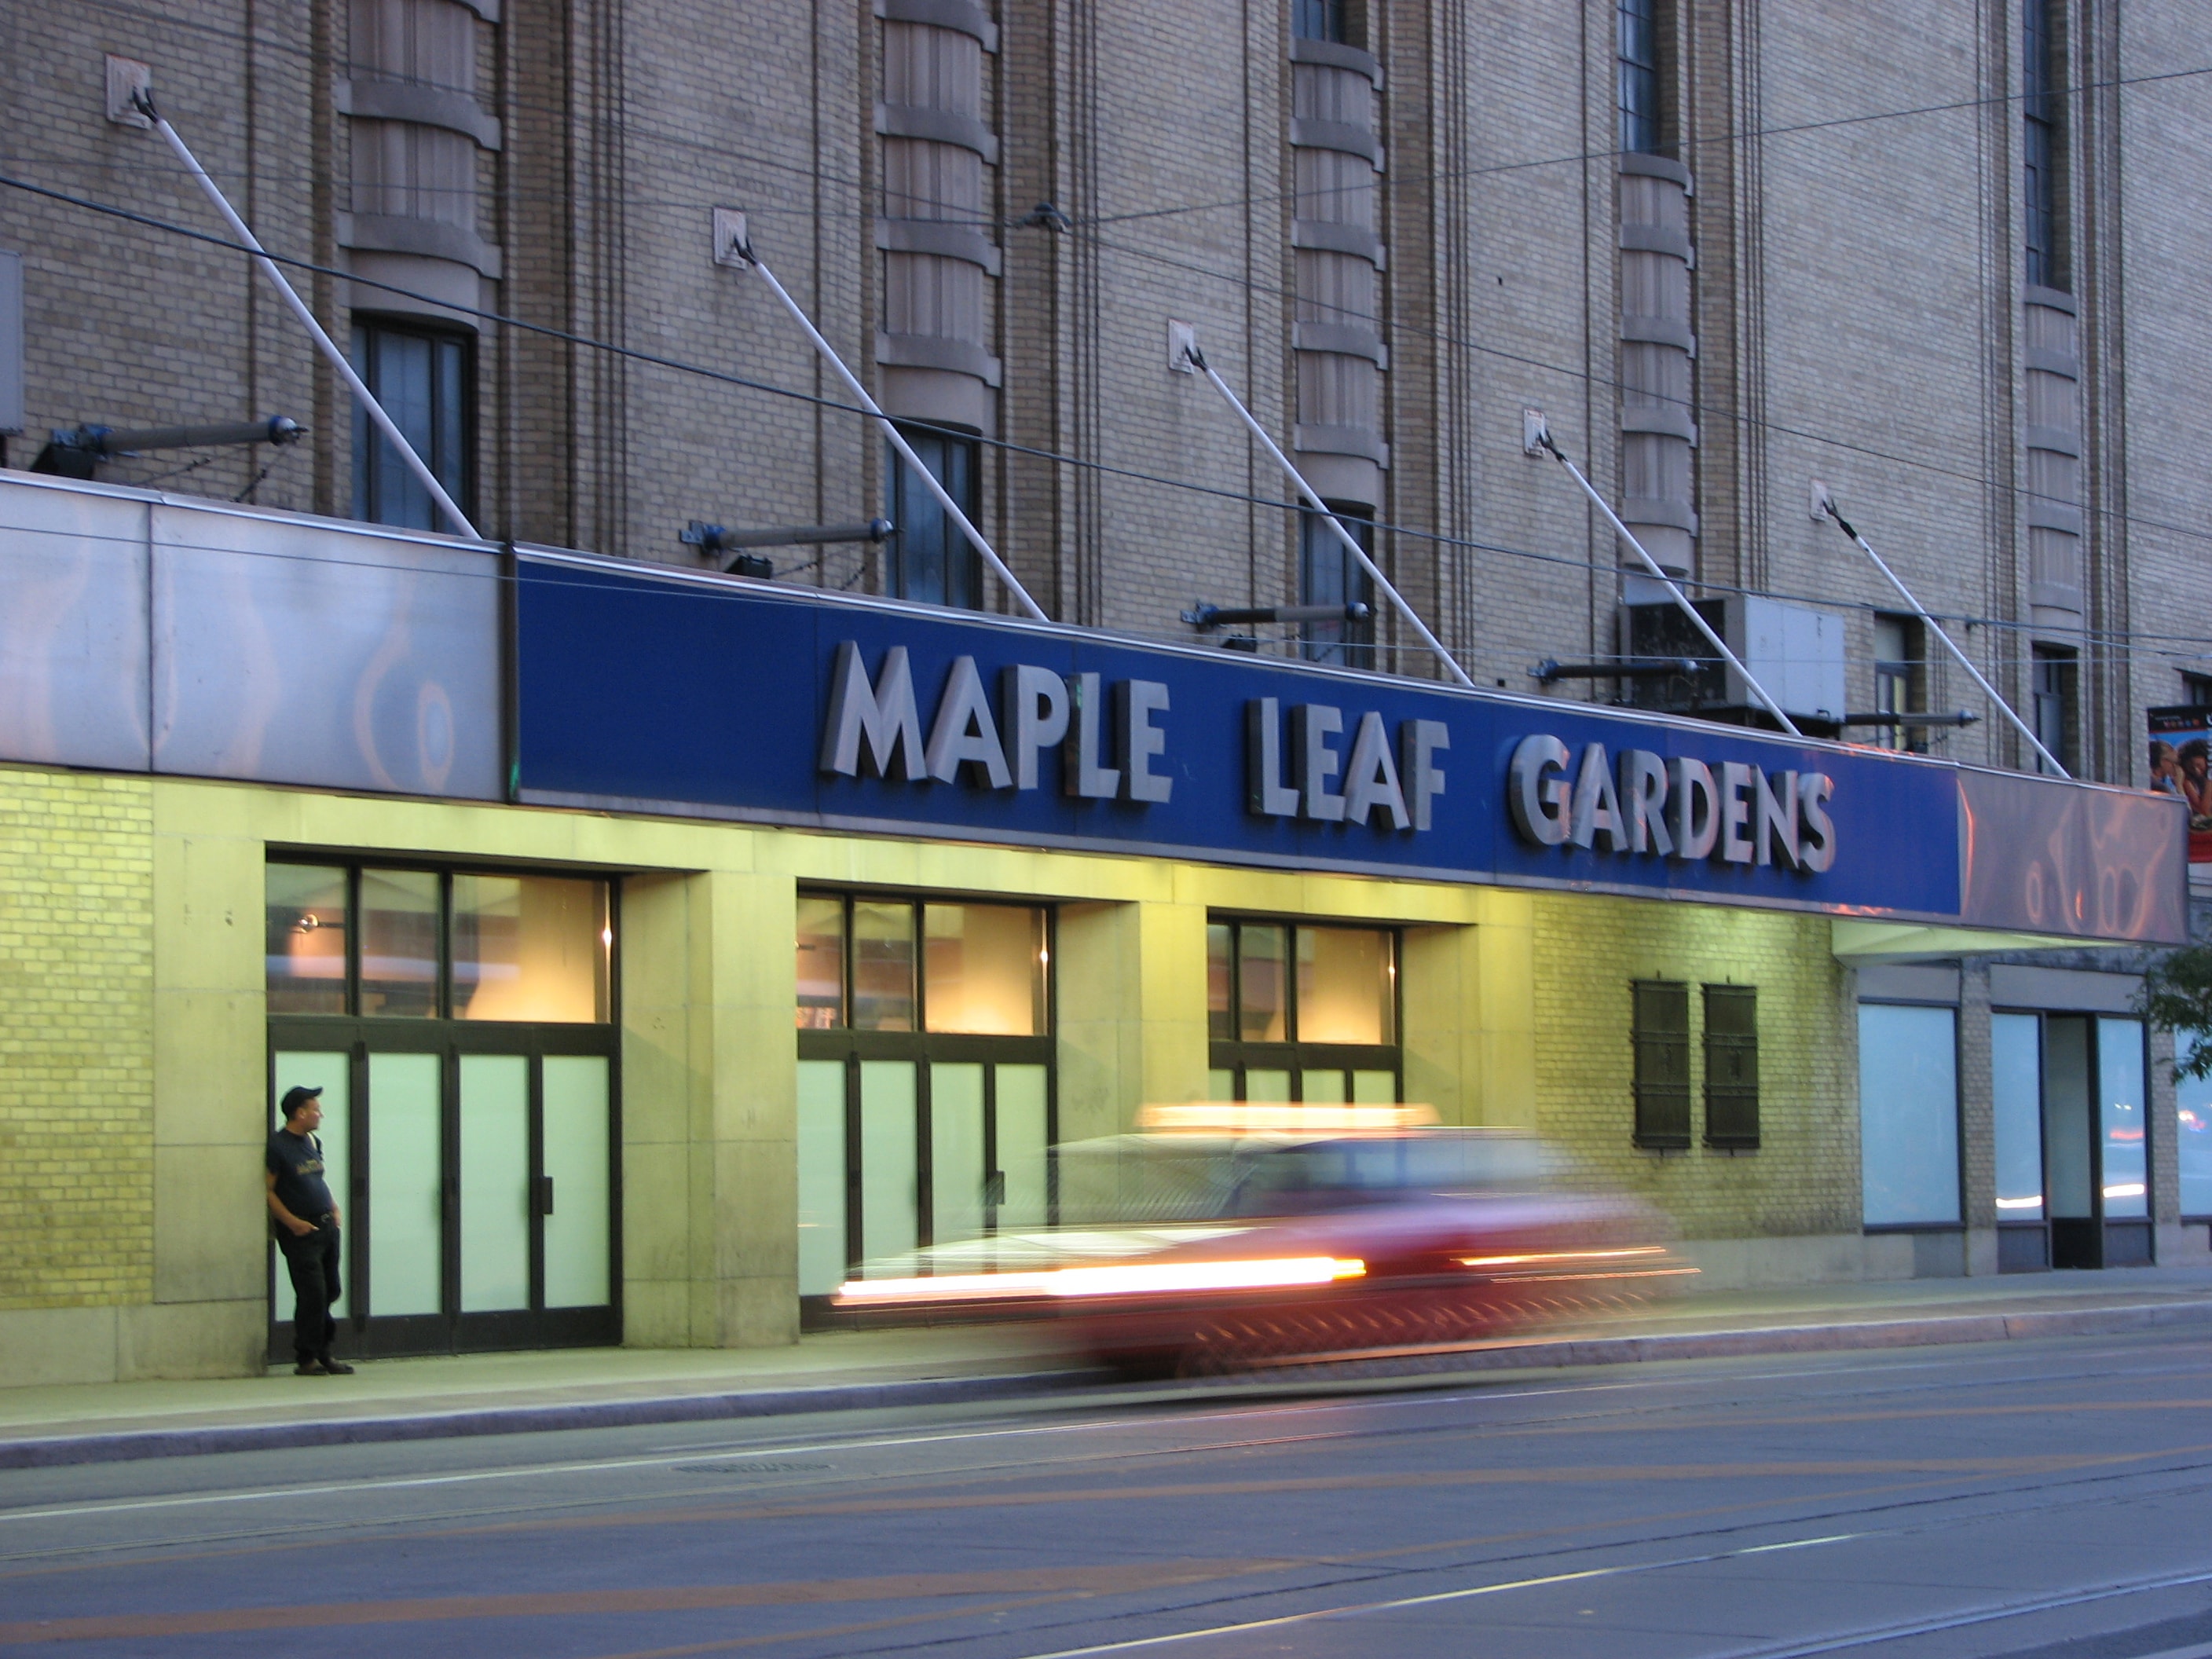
(704,696)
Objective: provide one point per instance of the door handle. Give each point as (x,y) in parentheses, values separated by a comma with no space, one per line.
(545,1195)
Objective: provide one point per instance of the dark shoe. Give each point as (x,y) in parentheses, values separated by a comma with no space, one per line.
(309,1368)
(335,1367)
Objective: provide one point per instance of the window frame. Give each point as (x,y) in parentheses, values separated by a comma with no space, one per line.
(354,865)
(1046,1007)
(904,497)
(2187,1216)
(1347,643)
(1639,80)
(2055,706)
(1329,21)
(1872,1229)
(925,1049)
(1728,1104)
(1662,1103)
(2043,144)
(372,448)
(363,1037)
(1239,1056)
(1901,682)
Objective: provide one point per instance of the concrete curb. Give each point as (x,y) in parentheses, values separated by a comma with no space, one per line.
(1938,1330)
(57,1451)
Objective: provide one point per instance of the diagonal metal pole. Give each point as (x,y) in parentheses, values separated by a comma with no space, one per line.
(1828,506)
(929,480)
(1351,544)
(1766,700)
(361,391)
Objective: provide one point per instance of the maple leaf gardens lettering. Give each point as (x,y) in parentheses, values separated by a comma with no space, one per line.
(879,726)
(874,728)
(1679,809)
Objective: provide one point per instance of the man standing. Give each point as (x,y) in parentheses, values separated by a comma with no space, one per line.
(306,1219)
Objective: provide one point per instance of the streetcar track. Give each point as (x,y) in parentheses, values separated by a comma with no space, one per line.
(1834,1397)
(1723,1412)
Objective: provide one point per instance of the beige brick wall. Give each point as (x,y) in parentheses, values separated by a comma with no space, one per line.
(1857,298)
(1804,1177)
(76,1062)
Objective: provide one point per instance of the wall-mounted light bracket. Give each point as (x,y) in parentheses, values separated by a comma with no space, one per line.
(73,451)
(1206,617)
(1549,672)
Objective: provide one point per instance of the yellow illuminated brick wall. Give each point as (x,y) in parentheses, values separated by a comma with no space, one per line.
(1804,1177)
(76,1065)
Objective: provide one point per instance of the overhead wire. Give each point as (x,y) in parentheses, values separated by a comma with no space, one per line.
(1386,183)
(1055,456)
(628,126)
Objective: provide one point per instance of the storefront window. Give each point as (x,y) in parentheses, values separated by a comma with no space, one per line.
(306,917)
(984,969)
(2016,1087)
(525,948)
(925,1111)
(821,962)
(2121,1106)
(530,948)
(1219,1026)
(2193,1142)
(494,1212)
(883,967)
(1263,1001)
(1299,1014)
(399,943)
(1909,1114)
(1346,989)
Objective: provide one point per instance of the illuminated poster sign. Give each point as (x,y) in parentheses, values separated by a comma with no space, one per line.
(2181,765)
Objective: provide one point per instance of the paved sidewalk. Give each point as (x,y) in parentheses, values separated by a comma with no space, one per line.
(415,1399)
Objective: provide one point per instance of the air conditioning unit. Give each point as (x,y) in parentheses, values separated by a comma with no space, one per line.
(1796,651)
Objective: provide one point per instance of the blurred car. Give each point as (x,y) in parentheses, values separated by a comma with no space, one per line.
(1230,1237)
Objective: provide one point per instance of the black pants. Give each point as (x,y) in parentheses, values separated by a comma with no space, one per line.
(313,1261)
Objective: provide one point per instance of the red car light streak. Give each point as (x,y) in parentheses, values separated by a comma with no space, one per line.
(1132,1278)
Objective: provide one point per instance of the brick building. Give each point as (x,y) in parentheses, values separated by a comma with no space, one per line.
(1940,261)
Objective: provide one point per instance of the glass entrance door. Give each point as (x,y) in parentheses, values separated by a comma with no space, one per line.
(2072,1159)
(476,1173)
(461,1025)
(924,1079)
(945,1151)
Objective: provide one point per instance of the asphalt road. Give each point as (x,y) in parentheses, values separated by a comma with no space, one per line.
(2014,1498)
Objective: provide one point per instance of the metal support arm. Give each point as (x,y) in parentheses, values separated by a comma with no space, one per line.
(1351,542)
(714,538)
(1766,700)
(929,480)
(1219,615)
(1828,506)
(367,398)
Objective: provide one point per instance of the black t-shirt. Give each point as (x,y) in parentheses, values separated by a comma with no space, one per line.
(296,1161)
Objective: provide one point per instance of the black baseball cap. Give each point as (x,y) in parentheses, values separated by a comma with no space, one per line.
(297,1096)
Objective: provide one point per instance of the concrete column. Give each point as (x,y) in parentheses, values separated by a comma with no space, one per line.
(709,1111)
(1977,1145)
(2169,1245)
(1468,995)
(1132,989)
(209,1316)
